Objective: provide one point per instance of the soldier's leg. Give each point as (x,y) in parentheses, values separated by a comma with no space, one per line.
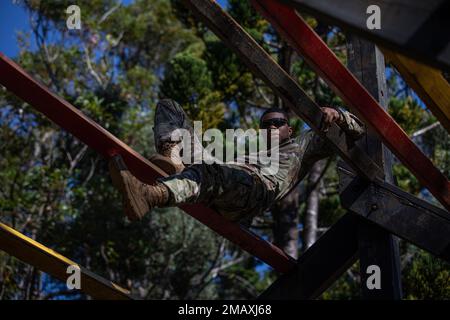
(231,191)
(173,133)
(138,198)
(169,117)
(196,184)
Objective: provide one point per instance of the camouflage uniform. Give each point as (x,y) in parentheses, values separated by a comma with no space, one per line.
(241,191)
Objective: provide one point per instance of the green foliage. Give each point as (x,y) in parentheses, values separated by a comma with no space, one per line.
(57,191)
(426,277)
(408,113)
(405,179)
(227,72)
(186,78)
(188,81)
(435,143)
(346,287)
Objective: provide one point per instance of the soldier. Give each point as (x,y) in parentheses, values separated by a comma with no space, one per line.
(238,191)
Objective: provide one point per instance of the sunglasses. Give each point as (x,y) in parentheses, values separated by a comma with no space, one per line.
(276,122)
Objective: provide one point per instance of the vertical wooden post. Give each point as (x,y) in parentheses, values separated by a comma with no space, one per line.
(376,246)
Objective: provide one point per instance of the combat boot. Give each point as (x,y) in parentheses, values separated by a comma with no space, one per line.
(138,198)
(168,158)
(169,117)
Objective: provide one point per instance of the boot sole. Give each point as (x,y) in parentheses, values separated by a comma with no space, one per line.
(166,164)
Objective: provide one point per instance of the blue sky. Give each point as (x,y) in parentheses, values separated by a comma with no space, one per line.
(13,18)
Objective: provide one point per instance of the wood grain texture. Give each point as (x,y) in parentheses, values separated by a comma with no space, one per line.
(309,45)
(376,245)
(263,66)
(429,84)
(51,262)
(330,256)
(16,80)
(416,28)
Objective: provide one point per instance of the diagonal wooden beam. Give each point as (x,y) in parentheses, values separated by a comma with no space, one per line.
(312,278)
(322,264)
(51,262)
(429,84)
(376,245)
(408,217)
(310,46)
(91,133)
(262,65)
(413,219)
(416,28)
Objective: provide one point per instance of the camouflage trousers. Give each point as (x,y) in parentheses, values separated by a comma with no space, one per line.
(230,189)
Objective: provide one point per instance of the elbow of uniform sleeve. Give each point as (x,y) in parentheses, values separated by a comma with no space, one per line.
(351,125)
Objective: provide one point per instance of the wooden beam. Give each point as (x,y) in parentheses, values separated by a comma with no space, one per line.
(311,47)
(263,66)
(91,133)
(51,262)
(376,245)
(429,84)
(408,217)
(276,14)
(416,28)
(321,265)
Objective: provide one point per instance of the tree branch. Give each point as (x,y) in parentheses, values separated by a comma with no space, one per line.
(425,129)
(109,12)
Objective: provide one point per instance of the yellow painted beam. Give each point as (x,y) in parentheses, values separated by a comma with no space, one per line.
(51,262)
(429,84)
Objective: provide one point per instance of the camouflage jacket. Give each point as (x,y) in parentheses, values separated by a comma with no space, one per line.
(297,156)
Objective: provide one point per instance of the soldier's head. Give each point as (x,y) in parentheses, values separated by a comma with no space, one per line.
(276,118)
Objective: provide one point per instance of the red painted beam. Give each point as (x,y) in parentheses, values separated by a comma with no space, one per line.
(16,80)
(310,46)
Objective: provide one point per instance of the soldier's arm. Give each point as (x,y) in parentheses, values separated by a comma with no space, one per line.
(351,125)
(317,148)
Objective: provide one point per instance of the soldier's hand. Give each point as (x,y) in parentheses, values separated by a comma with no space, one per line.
(330,115)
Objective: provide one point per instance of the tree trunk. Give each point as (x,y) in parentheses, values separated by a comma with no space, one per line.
(312,205)
(285,230)
(285,212)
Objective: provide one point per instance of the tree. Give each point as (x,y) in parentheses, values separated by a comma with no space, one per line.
(59,192)
(124,59)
